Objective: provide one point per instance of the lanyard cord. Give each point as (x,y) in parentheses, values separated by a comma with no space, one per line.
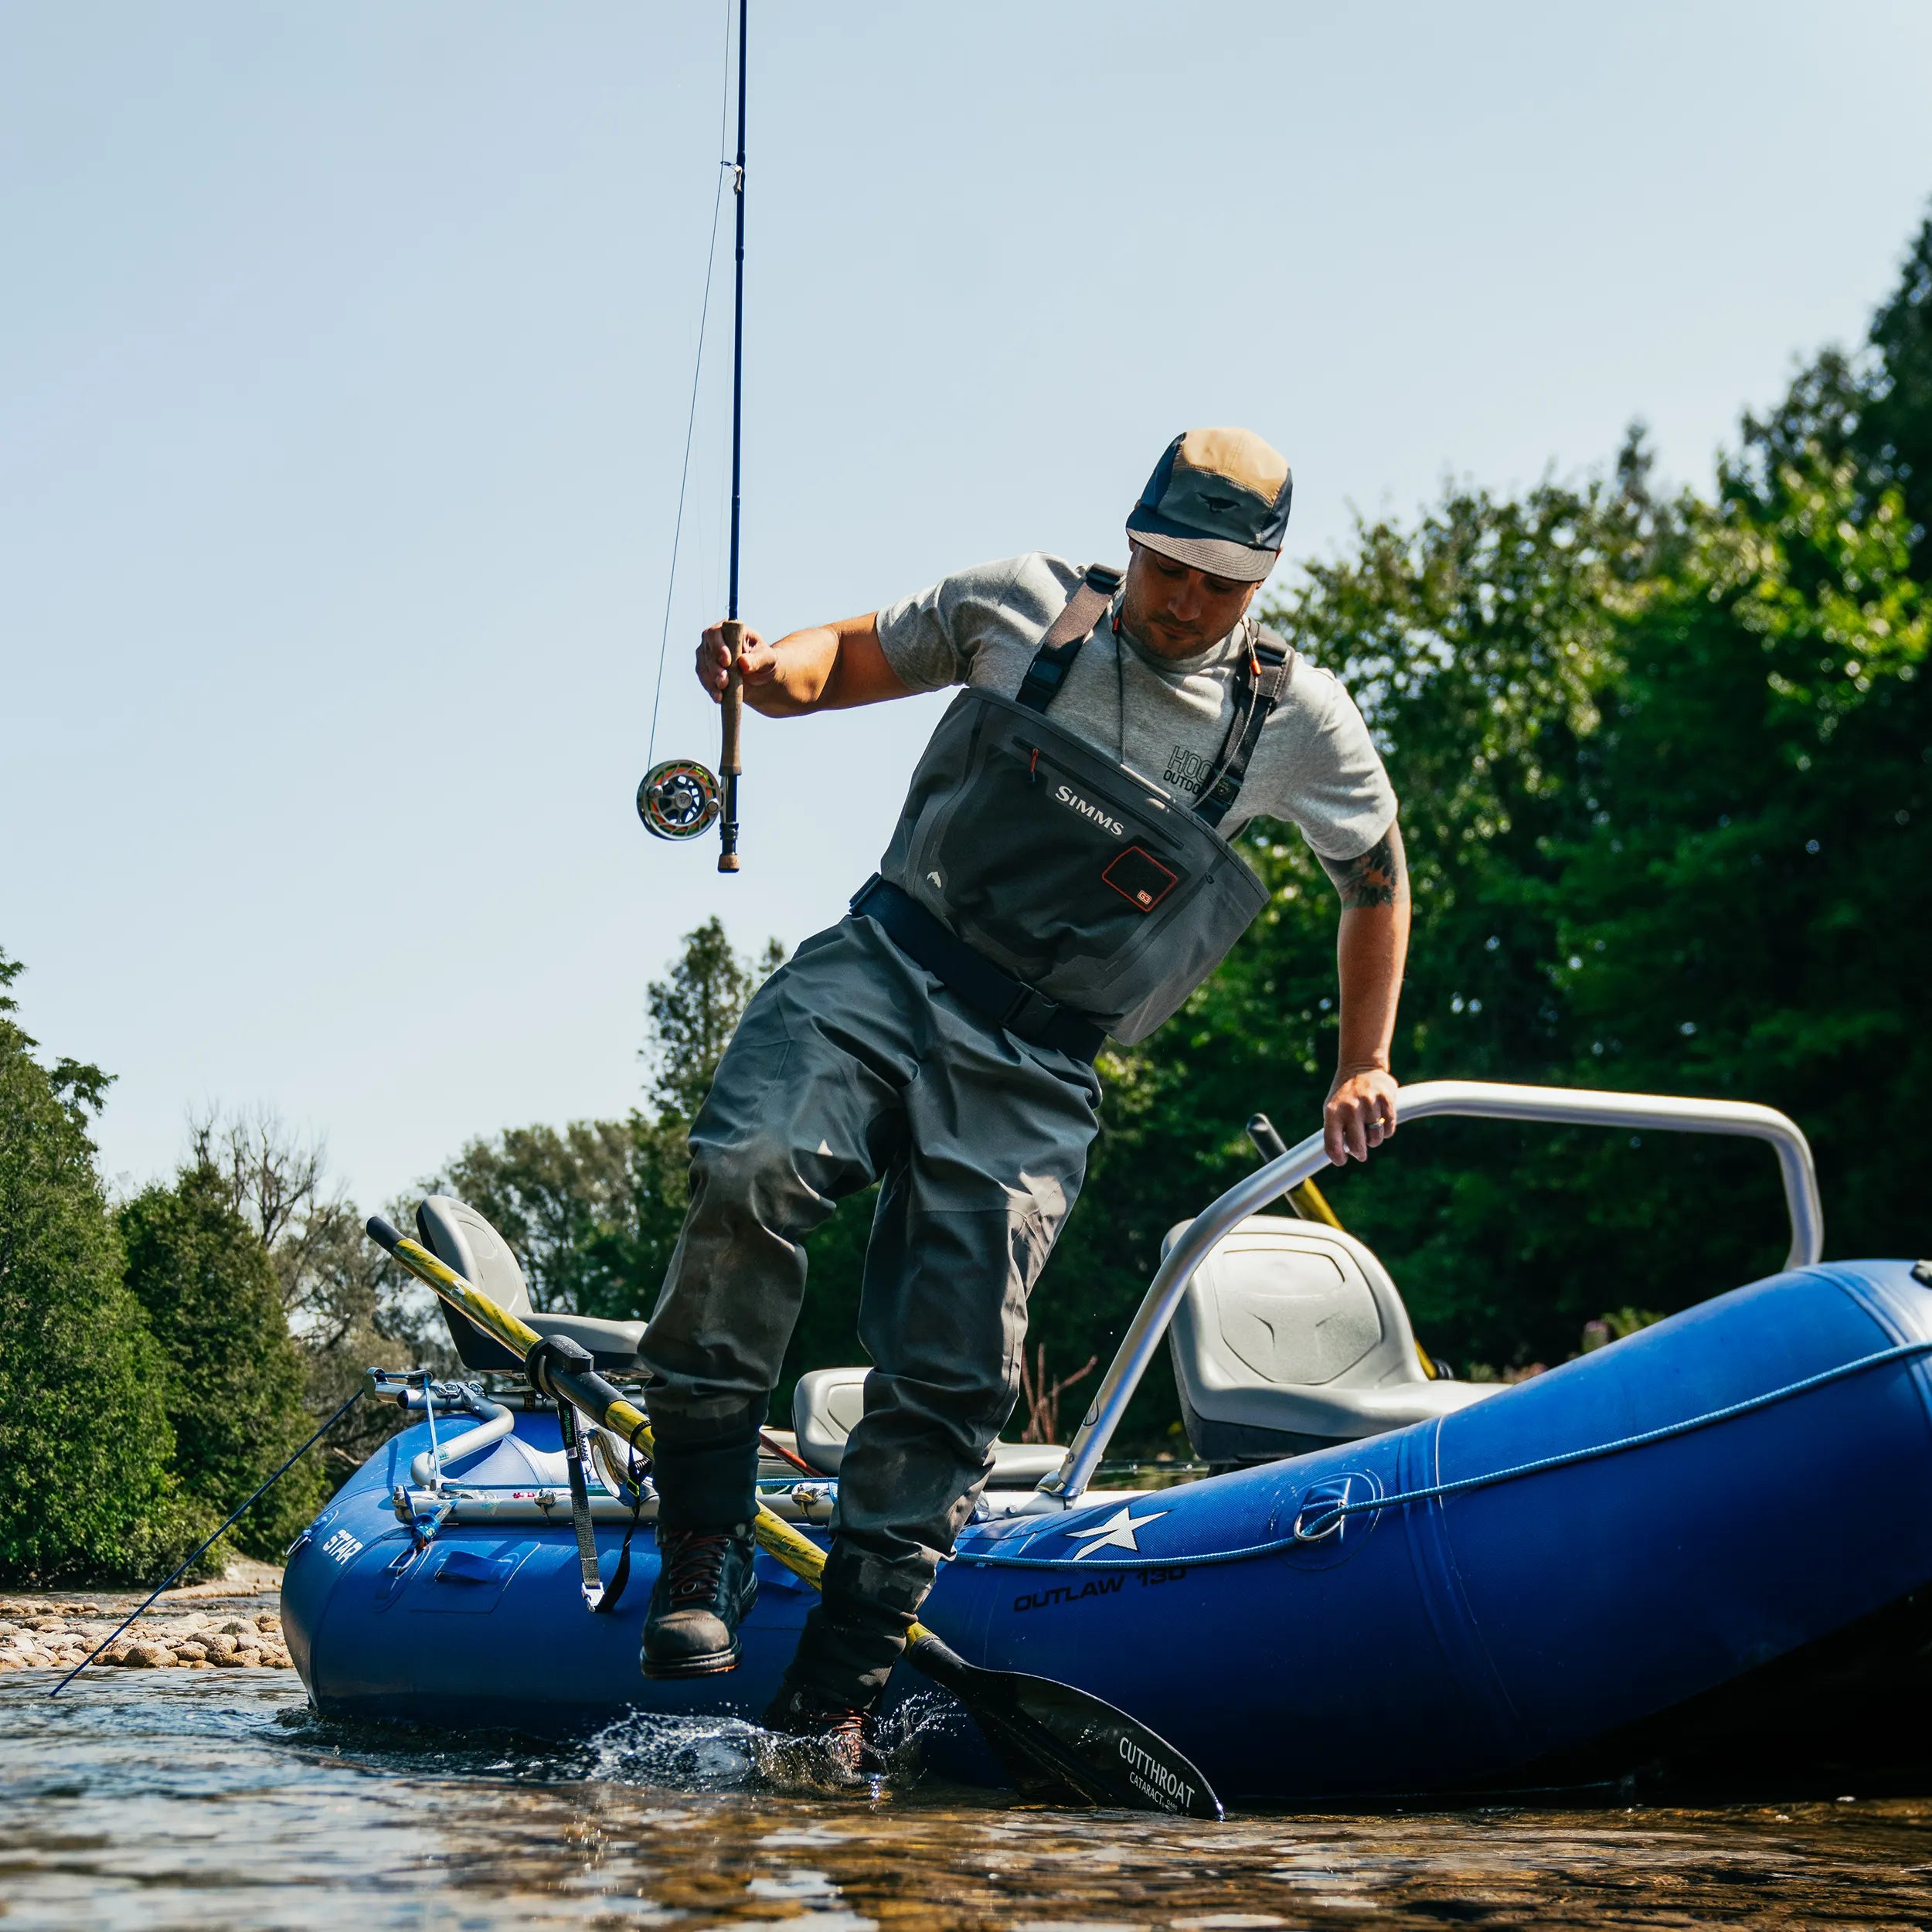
(1240,689)
(726,172)
(1120,696)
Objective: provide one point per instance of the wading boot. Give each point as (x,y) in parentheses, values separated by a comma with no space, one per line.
(704,1590)
(832,1741)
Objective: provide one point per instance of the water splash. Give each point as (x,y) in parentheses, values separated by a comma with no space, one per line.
(695,1754)
(684,1753)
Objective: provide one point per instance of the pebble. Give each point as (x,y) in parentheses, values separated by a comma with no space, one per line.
(39,1635)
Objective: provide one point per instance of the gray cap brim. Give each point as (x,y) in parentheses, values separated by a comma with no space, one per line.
(1218,557)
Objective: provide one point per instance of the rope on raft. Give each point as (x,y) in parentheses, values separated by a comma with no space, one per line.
(1327,1517)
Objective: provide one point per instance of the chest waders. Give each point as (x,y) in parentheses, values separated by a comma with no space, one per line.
(1052,886)
(1062,898)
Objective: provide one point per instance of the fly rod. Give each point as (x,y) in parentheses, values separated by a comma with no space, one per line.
(679,799)
(730,767)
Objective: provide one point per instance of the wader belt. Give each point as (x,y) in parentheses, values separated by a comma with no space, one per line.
(1007,1001)
(1263,677)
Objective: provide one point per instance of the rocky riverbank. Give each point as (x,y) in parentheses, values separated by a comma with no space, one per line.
(230,1624)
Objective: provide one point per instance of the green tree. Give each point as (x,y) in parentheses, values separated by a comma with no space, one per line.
(692,1013)
(567,1202)
(233,1381)
(1892,436)
(84,1439)
(593,1210)
(1735,928)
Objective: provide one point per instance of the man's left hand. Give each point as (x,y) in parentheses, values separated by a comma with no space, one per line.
(1360,1114)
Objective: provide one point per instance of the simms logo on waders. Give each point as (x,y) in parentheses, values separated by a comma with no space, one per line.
(1068,797)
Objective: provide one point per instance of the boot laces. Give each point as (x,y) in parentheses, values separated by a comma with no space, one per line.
(696,1561)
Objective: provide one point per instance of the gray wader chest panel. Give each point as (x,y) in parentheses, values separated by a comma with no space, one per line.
(1066,868)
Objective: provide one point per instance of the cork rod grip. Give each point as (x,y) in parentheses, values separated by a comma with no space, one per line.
(729,763)
(733,704)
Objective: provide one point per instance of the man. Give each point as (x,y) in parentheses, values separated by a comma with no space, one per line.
(1060,873)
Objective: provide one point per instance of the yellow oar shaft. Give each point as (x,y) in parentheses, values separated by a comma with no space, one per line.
(598,1399)
(1312,1204)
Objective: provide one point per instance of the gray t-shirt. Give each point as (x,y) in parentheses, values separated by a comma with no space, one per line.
(1314,767)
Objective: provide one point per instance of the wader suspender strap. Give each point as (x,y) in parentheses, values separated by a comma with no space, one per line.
(1262,678)
(1070,630)
(1258,690)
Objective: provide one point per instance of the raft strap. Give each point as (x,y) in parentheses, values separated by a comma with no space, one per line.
(560,1352)
(621,1576)
(1315,1522)
(1008,1002)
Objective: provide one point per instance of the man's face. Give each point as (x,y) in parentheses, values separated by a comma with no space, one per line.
(1176,611)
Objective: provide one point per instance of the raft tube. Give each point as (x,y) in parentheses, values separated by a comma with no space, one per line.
(1534,1621)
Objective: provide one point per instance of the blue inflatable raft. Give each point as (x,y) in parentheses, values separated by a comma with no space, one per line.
(1701,1546)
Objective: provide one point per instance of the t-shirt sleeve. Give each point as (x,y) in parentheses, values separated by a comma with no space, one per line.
(931,639)
(1335,787)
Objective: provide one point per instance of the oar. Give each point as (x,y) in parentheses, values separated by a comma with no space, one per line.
(1305,1198)
(1054,1741)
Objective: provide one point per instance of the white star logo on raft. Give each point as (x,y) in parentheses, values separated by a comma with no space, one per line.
(1116,1533)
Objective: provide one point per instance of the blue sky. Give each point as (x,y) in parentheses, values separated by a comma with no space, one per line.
(344,357)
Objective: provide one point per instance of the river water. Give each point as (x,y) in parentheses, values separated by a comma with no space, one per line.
(162,1799)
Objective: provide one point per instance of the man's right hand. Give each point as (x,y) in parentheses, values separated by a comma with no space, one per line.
(824,668)
(756,659)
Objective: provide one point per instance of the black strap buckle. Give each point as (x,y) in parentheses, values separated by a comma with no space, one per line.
(1031,1015)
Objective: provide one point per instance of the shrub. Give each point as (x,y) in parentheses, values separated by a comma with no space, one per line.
(84,1440)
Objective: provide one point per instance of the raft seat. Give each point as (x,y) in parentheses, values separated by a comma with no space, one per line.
(1291,1337)
(456,1234)
(826,1408)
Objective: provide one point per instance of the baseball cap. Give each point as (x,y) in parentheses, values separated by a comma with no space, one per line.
(1218,500)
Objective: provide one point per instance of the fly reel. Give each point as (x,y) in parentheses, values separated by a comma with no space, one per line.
(677,799)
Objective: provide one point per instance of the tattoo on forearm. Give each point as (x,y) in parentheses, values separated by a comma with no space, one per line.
(1378,877)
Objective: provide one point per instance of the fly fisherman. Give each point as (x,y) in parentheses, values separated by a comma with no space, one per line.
(1061,872)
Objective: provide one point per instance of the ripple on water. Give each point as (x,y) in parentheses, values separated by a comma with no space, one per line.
(159,1801)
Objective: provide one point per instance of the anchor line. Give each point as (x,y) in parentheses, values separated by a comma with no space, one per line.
(201,1547)
(1327,1517)
(726,172)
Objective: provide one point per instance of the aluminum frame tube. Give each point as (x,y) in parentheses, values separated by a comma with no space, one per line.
(1482,1100)
(494,1423)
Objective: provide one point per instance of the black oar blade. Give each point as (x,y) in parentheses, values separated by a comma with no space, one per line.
(1067,1745)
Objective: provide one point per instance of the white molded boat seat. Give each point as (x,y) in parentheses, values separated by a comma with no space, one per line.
(1291,1336)
(827,1402)
(455,1233)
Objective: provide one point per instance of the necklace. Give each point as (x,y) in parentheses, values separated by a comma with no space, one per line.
(1120,696)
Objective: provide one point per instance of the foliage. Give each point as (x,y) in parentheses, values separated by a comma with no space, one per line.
(693,1013)
(1665,774)
(348,1305)
(84,1441)
(592,1211)
(232,1377)
(564,1201)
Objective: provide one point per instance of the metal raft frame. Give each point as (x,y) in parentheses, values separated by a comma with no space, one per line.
(1480,1100)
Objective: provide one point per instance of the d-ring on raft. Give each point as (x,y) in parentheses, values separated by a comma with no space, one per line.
(1705,1545)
